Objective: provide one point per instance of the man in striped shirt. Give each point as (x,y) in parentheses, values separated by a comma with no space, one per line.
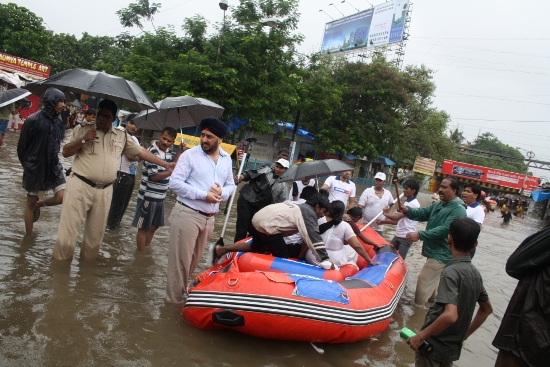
(149,214)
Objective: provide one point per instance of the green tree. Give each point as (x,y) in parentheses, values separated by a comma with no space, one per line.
(135,12)
(23,34)
(456,136)
(512,160)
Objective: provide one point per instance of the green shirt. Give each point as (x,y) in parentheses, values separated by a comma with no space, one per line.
(439,216)
(461,285)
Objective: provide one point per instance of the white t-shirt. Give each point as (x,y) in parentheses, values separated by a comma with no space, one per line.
(476,212)
(335,239)
(372,205)
(406,225)
(126,165)
(300,187)
(338,190)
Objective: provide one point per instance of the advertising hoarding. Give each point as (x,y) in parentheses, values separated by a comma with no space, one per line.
(424,166)
(373,27)
(489,175)
(24,66)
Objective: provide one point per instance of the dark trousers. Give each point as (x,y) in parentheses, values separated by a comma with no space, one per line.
(122,193)
(245,212)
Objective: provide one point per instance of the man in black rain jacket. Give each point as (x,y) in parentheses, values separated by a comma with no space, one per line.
(38,152)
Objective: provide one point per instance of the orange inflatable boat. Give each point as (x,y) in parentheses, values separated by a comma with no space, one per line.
(277,298)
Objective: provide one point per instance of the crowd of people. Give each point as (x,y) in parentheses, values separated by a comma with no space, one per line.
(304,223)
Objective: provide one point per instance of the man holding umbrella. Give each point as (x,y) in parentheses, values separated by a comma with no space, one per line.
(202,179)
(38,152)
(97,150)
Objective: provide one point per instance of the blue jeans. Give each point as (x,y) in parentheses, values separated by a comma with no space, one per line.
(3,126)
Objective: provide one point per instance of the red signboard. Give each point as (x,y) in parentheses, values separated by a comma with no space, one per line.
(490,175)
(18,64)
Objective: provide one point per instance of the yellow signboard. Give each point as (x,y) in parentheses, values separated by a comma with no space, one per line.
(425,166)
(193,141)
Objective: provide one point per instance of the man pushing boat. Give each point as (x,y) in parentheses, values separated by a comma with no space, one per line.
(272,223)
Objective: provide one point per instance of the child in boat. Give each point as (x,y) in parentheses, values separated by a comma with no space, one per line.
(341,243)
(448,322)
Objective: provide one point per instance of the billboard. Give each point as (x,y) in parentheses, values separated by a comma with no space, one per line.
(24,66)
(424,166)
(373,27)
(490,175)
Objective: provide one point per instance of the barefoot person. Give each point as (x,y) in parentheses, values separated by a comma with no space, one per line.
(38,152)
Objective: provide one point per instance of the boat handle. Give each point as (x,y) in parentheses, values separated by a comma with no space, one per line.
(391,285)
(232,281)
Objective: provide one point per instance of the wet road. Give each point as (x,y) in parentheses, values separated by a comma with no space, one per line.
(110,312)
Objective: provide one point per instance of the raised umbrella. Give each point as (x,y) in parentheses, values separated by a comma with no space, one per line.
(314,169)
(96,83)
(178,112)
(12,95)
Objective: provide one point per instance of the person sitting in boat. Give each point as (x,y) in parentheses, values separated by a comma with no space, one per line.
(296,240)
(353,217)
(271,224)
(341,243)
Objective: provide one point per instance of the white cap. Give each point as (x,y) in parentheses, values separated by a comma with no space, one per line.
(283,162)
(380,176)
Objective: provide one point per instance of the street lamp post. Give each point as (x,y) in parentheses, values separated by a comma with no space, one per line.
(344,1)
(530,156)
(326,14)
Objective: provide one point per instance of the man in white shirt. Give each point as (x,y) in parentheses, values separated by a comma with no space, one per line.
(374,200)
(340,187)
(404,224)
(471,195)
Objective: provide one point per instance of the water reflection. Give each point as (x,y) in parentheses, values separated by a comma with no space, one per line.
(110,311)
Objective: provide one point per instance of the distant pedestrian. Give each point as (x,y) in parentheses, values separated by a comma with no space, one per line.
(507,215)
(298,186)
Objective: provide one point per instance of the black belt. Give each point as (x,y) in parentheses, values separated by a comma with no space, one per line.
(97,185)
(198,211)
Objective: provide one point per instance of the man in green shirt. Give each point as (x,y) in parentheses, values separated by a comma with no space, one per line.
(439,216)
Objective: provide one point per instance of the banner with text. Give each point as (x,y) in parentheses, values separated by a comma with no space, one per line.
(490,175)
(24,66)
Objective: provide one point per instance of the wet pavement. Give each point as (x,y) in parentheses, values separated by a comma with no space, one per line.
(111,312)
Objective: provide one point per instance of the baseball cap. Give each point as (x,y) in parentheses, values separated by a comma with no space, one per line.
(283,162)
(380,176)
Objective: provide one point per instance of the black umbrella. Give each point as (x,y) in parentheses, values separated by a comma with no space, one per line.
(74,103)
(96,83)
(178,112)
(312,169)
(12,95)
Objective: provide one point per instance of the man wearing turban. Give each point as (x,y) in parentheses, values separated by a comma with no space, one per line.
(202,179)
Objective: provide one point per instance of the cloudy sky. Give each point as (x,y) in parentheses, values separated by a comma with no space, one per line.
(491,58)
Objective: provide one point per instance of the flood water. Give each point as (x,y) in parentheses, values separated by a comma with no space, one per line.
(111,312)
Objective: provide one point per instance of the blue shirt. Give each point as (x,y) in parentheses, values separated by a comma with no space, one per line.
(196,173)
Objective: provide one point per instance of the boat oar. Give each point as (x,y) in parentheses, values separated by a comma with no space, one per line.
(397,194)
(379,214)
(220,241)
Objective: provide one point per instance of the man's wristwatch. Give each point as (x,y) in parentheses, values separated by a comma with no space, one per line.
(83,141)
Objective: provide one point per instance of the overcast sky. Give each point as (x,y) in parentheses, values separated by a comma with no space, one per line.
(491,57)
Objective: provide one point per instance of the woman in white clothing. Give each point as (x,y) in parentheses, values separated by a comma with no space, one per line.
(340,240)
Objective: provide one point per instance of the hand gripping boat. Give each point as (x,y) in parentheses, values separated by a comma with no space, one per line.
(277,298)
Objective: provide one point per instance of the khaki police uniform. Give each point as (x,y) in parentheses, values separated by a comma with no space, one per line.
(89,190)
